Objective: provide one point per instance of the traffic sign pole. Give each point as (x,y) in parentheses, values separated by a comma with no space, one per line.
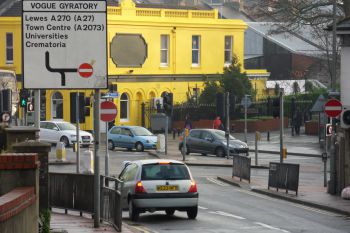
(96,158)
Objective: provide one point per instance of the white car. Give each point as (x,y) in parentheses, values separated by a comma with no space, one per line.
(61,131)
(158,184)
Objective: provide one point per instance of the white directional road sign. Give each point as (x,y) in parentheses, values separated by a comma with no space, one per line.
(246,102)
(64,44)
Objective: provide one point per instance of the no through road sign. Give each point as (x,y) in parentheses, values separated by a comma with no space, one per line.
(333,108)
(108,111)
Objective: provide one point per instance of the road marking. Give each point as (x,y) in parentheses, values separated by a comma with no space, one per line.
(324,212)
(271,227)
(227,214)
(203,208)
(215,181)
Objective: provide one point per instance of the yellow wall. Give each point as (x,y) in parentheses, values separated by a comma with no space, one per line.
(180,25)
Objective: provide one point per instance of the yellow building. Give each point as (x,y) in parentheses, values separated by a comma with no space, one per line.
(151,51)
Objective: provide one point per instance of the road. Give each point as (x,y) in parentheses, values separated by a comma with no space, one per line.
(225,208)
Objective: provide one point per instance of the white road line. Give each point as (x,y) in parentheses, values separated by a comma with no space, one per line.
(215,181)
(227,215)
(271,227)
(203,208)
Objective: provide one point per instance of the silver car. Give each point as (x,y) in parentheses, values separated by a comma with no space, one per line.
(158,184)
(213,141)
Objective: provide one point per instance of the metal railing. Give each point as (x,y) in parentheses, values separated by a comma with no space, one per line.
(284,176)
(111,208)
(241,167)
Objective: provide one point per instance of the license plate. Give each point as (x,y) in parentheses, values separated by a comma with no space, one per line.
(167,188)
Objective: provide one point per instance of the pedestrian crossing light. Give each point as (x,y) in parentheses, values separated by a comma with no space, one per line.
(23,102)
(329,129)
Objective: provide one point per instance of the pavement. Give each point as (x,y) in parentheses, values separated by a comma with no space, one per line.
(302,149)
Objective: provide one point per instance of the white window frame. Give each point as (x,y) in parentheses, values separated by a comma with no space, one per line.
(9,47)
(127,107)
(164,49)
(54,104)
(229,50)
(198,50)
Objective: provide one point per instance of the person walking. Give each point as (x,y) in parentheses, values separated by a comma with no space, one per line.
(297,122)
(217,124)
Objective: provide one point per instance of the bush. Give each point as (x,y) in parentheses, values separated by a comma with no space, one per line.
(45,218)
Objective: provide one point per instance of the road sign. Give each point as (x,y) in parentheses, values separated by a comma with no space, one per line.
(111,95)
(30,107)
(329,129)
(246,102)
(333,108)
(108,111)
(5,117)
(64,44)
(85,70)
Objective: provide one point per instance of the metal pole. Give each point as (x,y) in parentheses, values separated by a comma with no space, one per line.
(334,46)
(166,134)
(227,124)
(256,148)
(184,146)
(96,158)
(281,127)
(77,132)
(37,109)
(107,153)
(245,119)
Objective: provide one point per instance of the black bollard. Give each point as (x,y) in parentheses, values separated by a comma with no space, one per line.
(174,134)
(268,135)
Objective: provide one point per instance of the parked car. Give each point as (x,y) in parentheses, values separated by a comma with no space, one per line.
(158,184)
(131,137)
(213,141)
(62,131)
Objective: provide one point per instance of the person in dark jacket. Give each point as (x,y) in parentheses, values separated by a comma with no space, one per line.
(297,122)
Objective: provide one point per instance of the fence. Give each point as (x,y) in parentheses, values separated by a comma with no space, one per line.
(241,167)
(72,191)
(76,192)
(284,176)
(111,209)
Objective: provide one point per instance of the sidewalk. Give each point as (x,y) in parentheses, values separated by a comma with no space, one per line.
(304,150)
(73,223)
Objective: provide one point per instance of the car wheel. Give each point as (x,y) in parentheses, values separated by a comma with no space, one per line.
(110,145)
(139,147)
(170,212)
(65,141)
(192,212)
(129,149)
(133,212)
(219,152)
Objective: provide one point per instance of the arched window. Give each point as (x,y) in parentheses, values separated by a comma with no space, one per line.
(57,106)
(124,107)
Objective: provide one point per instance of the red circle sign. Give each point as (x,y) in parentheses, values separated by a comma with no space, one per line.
(333,108)
(108,111)
(85,70)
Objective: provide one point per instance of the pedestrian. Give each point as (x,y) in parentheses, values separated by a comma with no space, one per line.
(188,123)
(297,122)
(217,124)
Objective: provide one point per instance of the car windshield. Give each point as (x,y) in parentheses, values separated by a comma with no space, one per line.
(164,172)
(140,131)
(66,126)
(221,135)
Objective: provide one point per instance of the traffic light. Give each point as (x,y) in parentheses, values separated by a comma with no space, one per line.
(329,129)
(168,102)
(87,105)
(30,106)
(276,107)
(24,94)
(345,118)
(6,100)
(74,107)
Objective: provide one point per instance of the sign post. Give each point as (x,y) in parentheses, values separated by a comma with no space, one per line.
(246,102)
(108,113)
(332,108)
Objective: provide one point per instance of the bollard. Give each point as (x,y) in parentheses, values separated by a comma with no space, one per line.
(268,135)
(284,152)
(87,162)
(60,152)
(257,138)
(174,134)
(74,145)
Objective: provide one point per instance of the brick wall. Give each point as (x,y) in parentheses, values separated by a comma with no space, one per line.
(19,206)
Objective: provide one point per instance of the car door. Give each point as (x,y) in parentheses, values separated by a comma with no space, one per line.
(193,140)
(53,133)
(128,176)
(115,136)
(206,142)
(43,135)
(127,138)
